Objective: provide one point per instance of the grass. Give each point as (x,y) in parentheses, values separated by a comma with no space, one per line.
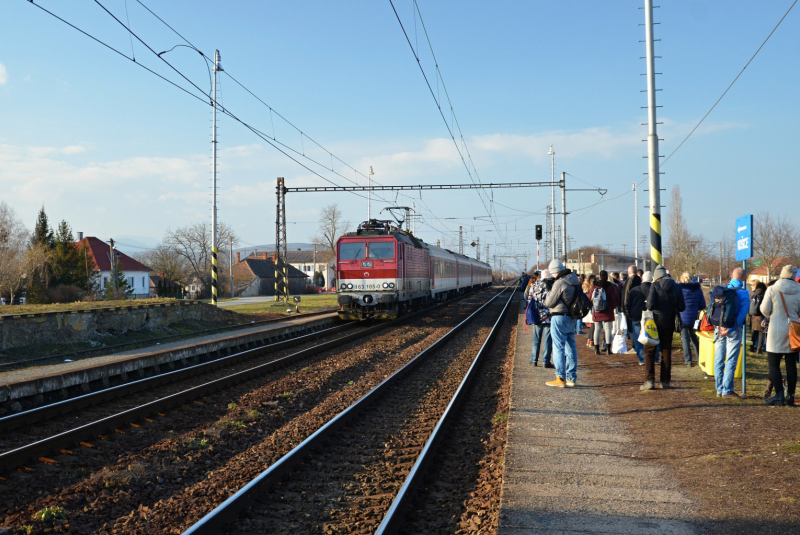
(51,513)
(308,303)
(80,305)
(500,418)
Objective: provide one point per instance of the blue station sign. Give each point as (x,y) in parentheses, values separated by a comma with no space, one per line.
(744,238)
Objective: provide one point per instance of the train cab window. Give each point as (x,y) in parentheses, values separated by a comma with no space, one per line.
(381,250)
(351,251)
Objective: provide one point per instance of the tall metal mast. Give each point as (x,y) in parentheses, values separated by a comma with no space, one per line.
(652,142)
(217,68)
(552,154)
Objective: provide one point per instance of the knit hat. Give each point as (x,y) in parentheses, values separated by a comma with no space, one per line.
(788,272)
(659,272)
(556,266)
(545,274)
(647,276)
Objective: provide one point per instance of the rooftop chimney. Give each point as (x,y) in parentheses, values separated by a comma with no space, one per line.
(80,236)
(265,256)
(238,257)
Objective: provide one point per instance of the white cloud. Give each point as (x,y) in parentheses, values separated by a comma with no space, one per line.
(3,74)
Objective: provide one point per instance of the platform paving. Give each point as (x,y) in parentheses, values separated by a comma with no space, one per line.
(569,465)
(21,383)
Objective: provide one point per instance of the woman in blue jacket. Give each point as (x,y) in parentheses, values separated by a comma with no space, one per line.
(695,302)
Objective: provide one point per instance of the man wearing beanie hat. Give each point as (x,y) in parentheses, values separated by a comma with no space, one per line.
(778,346)
(665,300)
(728,343)
(562,325)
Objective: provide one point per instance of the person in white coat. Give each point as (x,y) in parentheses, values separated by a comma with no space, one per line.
(782,303)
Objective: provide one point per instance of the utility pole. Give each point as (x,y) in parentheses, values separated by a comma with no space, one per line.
(564,242)
(720,262)
(478,249)
(281,247)
(314,268)
(461,240)
(217,68)
(487,253)
(369,194)
(636,224)
(230,261)
(549,241)
(113,267)
(552,154)
(652,142)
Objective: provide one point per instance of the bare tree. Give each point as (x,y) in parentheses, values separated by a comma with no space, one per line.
(331,227)
(13,258)
(687,250)
(773,237)
(193,244)
(166,261)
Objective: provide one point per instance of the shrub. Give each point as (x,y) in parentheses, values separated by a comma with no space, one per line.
(64,293)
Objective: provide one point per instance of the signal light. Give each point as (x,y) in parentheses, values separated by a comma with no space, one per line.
(538,232)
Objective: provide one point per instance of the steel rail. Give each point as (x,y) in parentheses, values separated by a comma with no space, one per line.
(228,511)
(58,408)
(394,517)
(14,458)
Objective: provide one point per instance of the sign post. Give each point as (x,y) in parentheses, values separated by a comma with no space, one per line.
(744,252)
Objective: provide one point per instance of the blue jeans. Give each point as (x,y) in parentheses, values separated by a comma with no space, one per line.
(541,337)
(578,326)
(726,356)
(637,329)
(565,352)
(689,339)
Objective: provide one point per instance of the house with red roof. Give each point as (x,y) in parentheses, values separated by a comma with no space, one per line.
(137,274)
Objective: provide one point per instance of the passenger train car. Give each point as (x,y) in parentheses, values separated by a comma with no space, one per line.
(382,271)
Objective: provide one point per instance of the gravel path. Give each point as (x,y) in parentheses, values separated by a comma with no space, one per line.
(571,468)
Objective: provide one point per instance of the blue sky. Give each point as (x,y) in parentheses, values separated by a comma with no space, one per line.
(119,153)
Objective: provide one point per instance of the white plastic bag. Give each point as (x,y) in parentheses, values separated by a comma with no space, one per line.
(619,345)
(649,334)
(622,324)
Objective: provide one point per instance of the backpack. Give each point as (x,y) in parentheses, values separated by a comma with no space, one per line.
(755,304)
(532,313)
(599,299)
(580,306)
(723,307)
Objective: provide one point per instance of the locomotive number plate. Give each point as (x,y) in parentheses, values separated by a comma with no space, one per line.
(366,264)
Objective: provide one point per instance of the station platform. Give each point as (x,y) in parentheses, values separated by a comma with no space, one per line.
(569,465)
(70,378)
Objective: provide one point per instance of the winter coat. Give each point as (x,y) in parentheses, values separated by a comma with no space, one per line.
(665,300)
(755,302)
(695,302)
(612,300)
(635,304)
(772,307)
(630,284)
(562,293)
(540,290)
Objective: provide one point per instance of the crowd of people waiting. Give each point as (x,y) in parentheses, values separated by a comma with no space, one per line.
(619,303)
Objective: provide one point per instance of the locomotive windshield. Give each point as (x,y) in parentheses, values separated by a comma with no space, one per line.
(381,250)
(351,251)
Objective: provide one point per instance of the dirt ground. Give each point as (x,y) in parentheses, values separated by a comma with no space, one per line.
(739,458)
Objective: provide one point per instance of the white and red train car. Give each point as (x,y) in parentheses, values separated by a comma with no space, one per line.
(382,271)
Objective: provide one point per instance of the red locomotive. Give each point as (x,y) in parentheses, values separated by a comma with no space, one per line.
(383,271)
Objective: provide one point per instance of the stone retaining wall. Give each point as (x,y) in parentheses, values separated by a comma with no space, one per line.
(79,325)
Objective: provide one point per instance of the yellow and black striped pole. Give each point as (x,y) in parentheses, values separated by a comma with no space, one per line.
(652,142)
(214,276)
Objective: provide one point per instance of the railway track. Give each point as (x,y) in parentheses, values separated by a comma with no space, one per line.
(358,472)
(99,479)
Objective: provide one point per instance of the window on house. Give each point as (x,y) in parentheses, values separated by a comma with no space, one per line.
(191,287)
(130,282)
(142,282)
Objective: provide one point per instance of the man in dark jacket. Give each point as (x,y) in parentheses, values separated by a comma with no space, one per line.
(562,325)
(632,282)
(634,305)
(665,300)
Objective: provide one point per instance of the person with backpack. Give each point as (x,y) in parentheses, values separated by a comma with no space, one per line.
(781,304)
(635,304)
(541,332)
(757,317)
(665,301)
(561,301)
(605,300)
(695,302)
(632,281)
(728,312)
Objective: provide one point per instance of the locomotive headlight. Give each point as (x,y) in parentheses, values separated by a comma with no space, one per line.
(343,286)
(385,284)
(391,285)
(350,286)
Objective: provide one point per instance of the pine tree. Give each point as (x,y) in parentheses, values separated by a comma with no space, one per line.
(42,233)
(42,245)
(68,264)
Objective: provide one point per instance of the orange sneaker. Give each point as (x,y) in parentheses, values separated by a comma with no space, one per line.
(558,383)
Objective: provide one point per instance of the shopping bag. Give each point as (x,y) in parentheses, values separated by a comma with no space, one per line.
(532,314)
(649,334)
(622,324)
(619,345)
